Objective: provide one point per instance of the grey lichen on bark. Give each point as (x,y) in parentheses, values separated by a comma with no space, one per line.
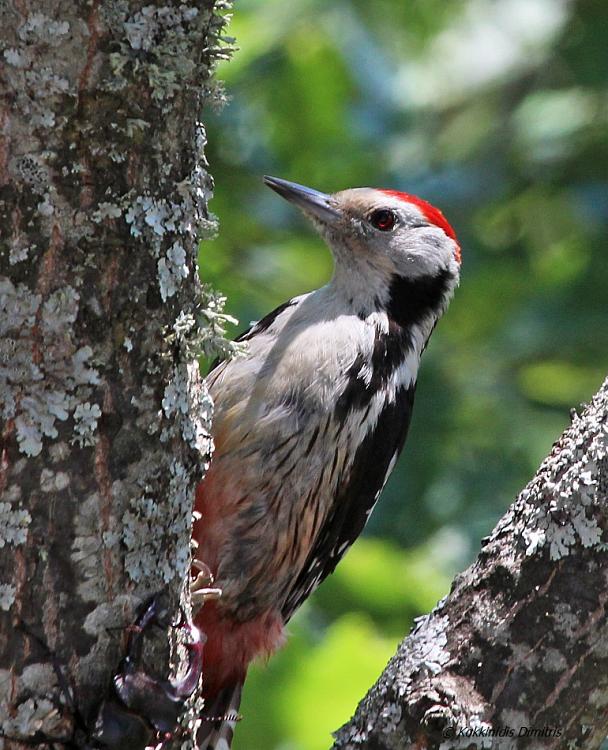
(517,654)
(104,419)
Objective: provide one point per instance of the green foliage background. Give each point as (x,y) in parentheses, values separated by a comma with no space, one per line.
(497,113)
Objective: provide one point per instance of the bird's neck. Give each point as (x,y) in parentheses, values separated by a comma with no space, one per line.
(363,291)
(401,303)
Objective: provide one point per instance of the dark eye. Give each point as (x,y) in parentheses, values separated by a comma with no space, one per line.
(384,219)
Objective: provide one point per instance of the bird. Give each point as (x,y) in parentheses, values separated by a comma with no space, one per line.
(309,423)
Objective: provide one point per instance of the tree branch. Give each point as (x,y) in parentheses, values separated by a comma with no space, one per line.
(516,654)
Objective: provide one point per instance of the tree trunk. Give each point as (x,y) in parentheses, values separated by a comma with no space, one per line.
(105,420)
(516,656)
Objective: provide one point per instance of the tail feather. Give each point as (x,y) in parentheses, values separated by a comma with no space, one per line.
(219,718)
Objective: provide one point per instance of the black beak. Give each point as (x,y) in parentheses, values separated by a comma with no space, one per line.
(312,202)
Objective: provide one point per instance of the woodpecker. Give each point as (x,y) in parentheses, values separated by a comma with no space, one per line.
(309,423)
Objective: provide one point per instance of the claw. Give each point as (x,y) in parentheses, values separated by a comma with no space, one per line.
(159,702)
(201,587)
(187,685)
(204,571)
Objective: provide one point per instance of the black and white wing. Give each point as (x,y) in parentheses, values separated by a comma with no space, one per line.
(356,497)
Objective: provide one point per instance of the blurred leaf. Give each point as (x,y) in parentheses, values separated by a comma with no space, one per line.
(495,111)
(332,678)
(559,383)
(392,585)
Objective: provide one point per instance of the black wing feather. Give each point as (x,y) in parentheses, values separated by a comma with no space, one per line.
(355,498)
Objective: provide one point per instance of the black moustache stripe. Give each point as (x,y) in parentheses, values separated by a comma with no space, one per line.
(410,300)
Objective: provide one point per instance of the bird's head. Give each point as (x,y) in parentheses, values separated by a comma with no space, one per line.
(386,244)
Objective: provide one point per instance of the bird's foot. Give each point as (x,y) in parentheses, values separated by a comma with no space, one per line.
(201,587)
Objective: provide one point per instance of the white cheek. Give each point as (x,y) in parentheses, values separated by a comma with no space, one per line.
(453,263)
(425,252)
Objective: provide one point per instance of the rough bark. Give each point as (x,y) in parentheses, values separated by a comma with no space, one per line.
(517,654)
(104,419)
